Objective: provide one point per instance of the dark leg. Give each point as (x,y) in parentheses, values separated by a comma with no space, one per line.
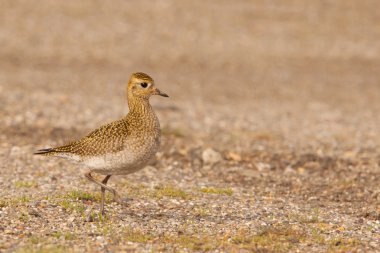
(103,193)
(103,187)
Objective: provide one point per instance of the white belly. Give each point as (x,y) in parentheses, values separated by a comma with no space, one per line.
(122,162)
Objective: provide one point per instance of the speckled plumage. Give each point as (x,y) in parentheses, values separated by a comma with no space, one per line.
(123,146)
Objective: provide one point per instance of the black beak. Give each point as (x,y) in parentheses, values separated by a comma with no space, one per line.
(158,92)
(164,95)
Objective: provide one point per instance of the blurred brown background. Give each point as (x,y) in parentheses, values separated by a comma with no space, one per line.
(252,65)
(287,92)
(249,64)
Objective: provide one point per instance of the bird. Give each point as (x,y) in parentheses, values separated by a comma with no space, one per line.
(121,147)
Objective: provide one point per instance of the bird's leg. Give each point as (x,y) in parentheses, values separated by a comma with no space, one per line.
(116,196)
(102,185)
(103,193)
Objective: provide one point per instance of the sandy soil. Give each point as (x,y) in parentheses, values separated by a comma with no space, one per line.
(270,136)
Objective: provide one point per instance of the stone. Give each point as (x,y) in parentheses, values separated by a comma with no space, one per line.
(210,156)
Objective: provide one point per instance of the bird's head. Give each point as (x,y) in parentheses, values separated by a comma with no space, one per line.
(142,86)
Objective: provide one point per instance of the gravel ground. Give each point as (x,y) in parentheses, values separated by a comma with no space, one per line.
(270,136)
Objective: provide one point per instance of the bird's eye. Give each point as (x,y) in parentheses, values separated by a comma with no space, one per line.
(144,85)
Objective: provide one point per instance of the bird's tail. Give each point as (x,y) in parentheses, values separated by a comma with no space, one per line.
(45,151)
(57,151)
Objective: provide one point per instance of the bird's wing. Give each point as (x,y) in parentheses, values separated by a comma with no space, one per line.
(109,138)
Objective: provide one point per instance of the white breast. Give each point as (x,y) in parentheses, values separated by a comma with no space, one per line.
(123,162)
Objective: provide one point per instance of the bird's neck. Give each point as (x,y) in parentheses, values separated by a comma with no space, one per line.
(142,117)
(138,105)
(141,110)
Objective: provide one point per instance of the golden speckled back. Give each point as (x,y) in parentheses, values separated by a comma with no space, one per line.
(112,137)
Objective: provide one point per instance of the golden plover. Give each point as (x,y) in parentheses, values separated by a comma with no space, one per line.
(120,147)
